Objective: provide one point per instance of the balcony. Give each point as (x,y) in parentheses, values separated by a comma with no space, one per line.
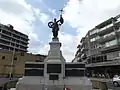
(15,32)
(118,33)
(101,64)
(10,46)
(10,41)
(14,38)
(79,54)
(79,46)
(83,50)
(110,49)
(105,30)
(107,38)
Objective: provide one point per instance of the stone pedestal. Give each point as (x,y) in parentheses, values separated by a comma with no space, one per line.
(55,57)
(55,54)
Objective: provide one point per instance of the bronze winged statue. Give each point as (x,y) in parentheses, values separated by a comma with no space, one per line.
(55,25)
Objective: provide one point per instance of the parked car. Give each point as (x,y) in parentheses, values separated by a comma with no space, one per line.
(116,80)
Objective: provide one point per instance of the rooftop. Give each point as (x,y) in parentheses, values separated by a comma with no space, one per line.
(105,23)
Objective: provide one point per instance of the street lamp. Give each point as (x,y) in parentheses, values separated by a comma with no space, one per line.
(12,62)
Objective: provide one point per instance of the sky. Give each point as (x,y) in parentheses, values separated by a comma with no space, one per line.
(31,17)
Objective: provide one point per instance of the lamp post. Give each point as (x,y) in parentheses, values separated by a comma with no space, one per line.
(12,62)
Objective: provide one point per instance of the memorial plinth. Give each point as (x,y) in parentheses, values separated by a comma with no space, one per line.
(55,54)
(54,66)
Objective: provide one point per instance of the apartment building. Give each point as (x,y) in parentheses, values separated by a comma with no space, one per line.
(100,48)
(82,51)
(11,39)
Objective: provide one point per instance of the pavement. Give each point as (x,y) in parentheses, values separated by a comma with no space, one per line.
(108,82)
(110,86)
(5,80)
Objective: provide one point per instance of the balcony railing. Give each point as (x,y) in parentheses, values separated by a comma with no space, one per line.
(107,38)
(10,41)
(108,63)
(104,28)
(10,46)
(106,31)
(14,38)
(24,36)
(110,48)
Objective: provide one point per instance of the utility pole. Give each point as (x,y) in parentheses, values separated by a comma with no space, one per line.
(12,62)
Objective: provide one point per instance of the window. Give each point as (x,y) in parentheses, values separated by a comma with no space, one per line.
(13,40)
(7,33)
(22,54)
(107,35)
(3,57)
(17,41)
(5,37)
(15,58)
(119,54)
(4,42)
(94,39)
(12,44)
(111,43)
(94,31)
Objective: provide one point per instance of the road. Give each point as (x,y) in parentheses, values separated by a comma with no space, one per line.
(110,86)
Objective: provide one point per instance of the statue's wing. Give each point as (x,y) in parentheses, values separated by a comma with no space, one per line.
(61,19)
(51,24)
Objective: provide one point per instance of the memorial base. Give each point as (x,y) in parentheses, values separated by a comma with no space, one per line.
(63,75)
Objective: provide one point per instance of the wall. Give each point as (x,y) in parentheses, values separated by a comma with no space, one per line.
(18,66)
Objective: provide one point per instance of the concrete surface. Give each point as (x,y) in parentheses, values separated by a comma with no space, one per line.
(108,82)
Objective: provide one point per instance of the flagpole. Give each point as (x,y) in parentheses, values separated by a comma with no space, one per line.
(12,62)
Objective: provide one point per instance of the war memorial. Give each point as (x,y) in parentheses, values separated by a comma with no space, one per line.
(54,73)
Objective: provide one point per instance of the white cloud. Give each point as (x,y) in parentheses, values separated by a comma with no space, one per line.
(41,16)
(69,43)
(53,11)
(88,13)
(44,18)
(44,48)
(34,43)
(16,16)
